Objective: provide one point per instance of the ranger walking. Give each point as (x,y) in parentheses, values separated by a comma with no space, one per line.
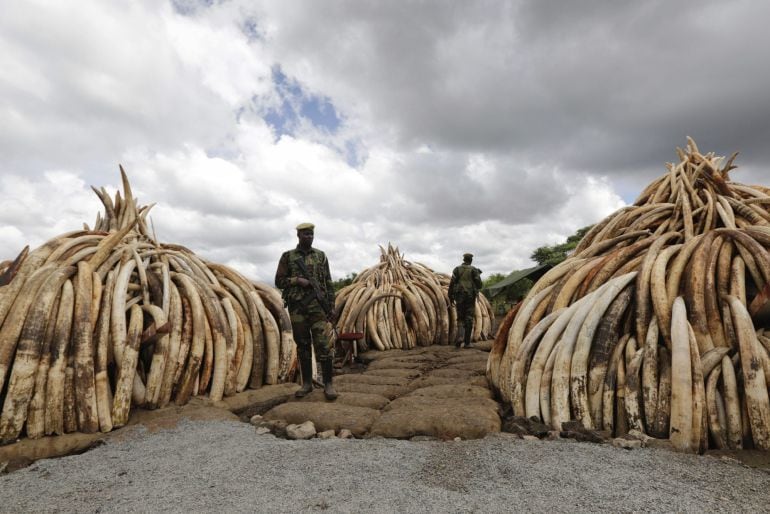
(464,287)
(304,279)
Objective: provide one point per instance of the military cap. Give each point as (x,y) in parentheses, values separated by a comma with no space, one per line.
(467,256)
(305,226)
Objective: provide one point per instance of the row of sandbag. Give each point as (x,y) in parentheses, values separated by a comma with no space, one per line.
(93,323)
(693,234)
(401,304)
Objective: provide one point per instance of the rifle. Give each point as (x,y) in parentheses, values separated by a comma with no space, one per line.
(316,289)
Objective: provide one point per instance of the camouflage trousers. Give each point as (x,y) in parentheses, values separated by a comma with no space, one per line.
(465,308)
(309,332)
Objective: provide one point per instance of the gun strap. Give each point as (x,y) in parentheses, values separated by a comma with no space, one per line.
(316,288)
(303,269)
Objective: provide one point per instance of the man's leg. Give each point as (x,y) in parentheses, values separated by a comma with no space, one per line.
(467,317)
(468,328)
(302,337)
(458,341)
(325,354)
(458,321)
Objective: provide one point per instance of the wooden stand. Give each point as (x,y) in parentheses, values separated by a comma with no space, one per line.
(348,344)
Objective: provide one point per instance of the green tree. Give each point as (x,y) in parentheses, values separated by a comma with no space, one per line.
(492,280)
(555,254)
(346,281)
(503,300)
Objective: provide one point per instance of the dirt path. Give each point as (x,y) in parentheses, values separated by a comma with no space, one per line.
(436,391)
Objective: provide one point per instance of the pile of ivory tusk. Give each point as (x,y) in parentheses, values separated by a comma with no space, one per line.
(656,322)
(95,322)
(400,304)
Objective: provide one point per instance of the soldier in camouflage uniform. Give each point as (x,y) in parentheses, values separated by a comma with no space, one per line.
(310,308)
(464,287)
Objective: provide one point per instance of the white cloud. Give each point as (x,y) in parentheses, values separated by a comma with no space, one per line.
(108,78)
(213,44)
(486,127)
(39,208)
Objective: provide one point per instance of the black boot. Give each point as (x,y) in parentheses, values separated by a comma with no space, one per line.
(328,372)
(306,366)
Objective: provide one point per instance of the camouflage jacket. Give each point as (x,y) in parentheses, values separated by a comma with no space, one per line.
(289,270)
(465,282)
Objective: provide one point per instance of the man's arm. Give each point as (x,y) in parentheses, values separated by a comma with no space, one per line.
(452,282)
(477,279)
(282,279)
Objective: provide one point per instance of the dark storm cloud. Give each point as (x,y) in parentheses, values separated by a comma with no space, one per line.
(597,86)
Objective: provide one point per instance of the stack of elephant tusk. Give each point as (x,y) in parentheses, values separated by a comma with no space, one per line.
(400,304)
(656,322)
(95,322)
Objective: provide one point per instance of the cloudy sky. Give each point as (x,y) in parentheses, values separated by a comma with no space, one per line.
(439,126)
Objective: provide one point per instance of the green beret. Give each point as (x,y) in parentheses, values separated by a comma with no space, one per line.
(305,226)
(467,256)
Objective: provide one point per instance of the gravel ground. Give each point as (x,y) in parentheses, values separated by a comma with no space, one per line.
(225,466)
